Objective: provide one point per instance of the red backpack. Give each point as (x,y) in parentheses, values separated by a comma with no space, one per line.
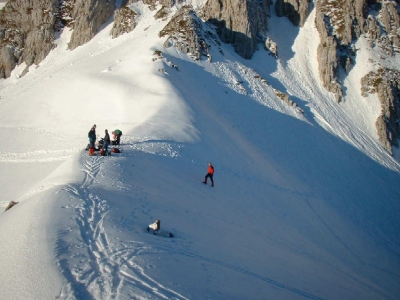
(91,151)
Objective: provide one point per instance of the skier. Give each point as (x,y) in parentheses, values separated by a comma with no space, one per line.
(106,140)
(209,174)
(92,136)
(117,136)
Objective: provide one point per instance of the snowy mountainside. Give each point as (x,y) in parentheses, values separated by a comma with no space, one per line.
(354,119)
(305,205)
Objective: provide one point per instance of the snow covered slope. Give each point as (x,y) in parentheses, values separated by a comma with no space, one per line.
(305,206)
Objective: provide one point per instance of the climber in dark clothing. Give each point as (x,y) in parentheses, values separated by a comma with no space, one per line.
(107,140)
(92,137)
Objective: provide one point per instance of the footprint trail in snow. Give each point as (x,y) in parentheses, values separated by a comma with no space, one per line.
(93,267)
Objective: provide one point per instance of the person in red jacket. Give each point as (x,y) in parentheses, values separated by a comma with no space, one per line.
(210,174)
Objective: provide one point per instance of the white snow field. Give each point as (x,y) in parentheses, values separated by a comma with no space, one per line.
(305,206)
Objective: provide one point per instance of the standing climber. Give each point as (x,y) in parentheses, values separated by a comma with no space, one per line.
(92,137)
(210,173)
(117,136)
(106,140)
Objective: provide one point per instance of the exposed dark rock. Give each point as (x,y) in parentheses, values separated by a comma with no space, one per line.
(271,46)
(239,22)
(386,83)
(27,27)
(185,32)
(162,13)
(339,24)
(296,11)
(26,32)
(89,16)
(167,3)
(124,21)
(390,20)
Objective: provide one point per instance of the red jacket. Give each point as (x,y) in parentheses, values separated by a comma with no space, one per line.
(211,169)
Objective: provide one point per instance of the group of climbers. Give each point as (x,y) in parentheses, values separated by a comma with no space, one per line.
(104,142)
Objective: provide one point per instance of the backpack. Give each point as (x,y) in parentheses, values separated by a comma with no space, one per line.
(115,150)
(91,151)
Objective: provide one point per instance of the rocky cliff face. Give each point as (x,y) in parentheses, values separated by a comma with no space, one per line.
(340,24)
(26,32)
(239,22)
(386,83)
(28,27)
(296,11)
(124,20)
(89,16)
(184,31)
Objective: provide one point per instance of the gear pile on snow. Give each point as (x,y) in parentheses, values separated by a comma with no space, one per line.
(156,228)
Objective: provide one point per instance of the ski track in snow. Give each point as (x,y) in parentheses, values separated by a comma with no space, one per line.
(102,270)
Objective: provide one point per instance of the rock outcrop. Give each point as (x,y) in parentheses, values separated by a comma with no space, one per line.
(389,19)
(28,27)
(386,83)
(296,11)
(185,32)
(165,3)
(89,16)
(26,32)
(239,23)
(339,23)
(124,21)
(384,34)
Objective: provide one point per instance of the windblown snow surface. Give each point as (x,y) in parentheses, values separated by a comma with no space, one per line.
(305,205)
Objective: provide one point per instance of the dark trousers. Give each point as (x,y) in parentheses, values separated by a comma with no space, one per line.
(211,178)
